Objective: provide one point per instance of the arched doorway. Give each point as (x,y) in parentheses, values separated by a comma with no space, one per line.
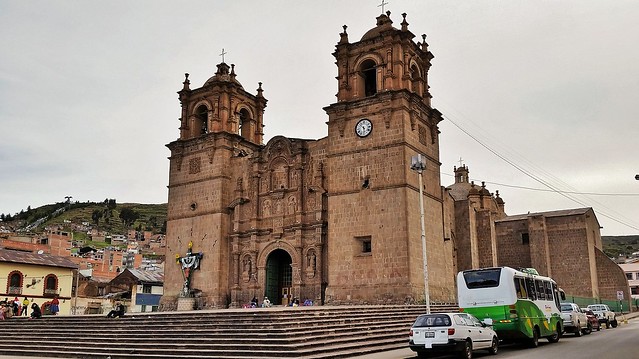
(279,276)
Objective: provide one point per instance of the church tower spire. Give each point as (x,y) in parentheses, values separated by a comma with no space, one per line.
(381,118)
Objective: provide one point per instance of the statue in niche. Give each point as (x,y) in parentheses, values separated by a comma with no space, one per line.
(292,204)
(266,208)
(311,263)
(248,269)
(278,207)
(311,203)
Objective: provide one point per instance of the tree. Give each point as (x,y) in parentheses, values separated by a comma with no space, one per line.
(96,215)
(128,215)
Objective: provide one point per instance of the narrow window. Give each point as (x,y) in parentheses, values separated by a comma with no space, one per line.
(146,288)
(244,118)
(15,283)
(50,285)
(202,114)
(525,239)
(369,72)
(366,246)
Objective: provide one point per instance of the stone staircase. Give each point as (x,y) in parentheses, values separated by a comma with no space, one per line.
(280,332)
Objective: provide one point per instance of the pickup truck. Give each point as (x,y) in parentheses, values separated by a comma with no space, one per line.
(575,321)
(604,314)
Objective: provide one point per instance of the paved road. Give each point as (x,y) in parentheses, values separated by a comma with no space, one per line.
(620,342)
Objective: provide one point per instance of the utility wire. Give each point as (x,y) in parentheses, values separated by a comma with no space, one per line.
(546,183)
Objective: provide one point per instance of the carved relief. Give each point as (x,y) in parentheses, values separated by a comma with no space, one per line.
(248,271)
(423,135)
(266,208)
(278,207)
(195,165)
(292,205)
(311,263)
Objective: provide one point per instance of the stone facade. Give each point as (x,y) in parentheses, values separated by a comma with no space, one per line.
(334,220)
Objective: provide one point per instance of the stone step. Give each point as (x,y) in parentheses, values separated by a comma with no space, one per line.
(311,332)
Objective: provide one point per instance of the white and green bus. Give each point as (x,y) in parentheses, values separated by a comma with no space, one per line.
(522,305)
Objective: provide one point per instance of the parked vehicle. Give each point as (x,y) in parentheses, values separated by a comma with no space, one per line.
(575,321)
(447,333)
(592,319)
(523,305)
(604,314)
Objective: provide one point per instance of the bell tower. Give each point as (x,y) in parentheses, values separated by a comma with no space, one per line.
(220,125)
(383,117)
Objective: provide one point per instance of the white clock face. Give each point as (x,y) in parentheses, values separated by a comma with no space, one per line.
(363,127)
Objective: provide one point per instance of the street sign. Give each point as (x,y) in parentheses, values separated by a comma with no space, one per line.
(620,295)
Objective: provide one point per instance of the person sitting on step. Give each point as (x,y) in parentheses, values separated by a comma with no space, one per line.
(254,302)
(266,303)
(35,311)
(118,311)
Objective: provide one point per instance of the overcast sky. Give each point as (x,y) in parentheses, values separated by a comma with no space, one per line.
(539,97)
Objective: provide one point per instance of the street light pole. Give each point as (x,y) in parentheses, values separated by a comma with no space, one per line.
(418,165)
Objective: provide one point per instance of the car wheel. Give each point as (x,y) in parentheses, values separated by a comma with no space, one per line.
(467,352)
(588,329)
(599,327)
(534,341)
(494,346)
(578,330)
(422,355)
(555,337)
(614,323)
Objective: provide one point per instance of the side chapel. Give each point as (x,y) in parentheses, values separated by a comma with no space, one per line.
(334,220)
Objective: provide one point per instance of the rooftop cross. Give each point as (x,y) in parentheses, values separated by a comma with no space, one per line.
(224,53)
(382,5)
(461,162)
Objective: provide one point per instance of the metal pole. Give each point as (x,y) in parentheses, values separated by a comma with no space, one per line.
(424,256)
(75,297)
(418,165)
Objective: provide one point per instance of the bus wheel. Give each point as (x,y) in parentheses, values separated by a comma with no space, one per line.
(534,341)
(555,337)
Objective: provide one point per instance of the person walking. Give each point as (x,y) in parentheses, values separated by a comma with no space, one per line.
(25,306)
(55,306)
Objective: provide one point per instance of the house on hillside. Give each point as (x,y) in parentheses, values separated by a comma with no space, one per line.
(39,277)
(146,288)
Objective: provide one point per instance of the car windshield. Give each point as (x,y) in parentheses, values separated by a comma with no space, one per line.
(566,308)
(432,320)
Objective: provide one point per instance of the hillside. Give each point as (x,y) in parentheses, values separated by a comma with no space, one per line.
(620,245)
(108,216)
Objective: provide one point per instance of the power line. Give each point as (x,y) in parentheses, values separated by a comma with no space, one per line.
(547,183)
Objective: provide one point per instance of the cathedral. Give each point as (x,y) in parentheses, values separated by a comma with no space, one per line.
(335,220)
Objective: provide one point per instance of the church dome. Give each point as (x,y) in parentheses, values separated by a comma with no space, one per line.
(384,23)
(223,75)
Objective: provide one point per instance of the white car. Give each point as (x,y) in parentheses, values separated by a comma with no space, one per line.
(446,333)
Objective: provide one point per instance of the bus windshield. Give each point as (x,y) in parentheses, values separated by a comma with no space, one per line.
(487,278)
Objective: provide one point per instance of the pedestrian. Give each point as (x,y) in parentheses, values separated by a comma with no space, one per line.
(266,303)
(3,308)
(118,311)
(55,306)
(35,311)
(25,306)
(16,307)
(254,302)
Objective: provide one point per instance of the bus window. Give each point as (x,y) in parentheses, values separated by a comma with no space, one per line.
(548,286)
(520,288)
(530,287)
(541,293)
(556,291)
(482,279)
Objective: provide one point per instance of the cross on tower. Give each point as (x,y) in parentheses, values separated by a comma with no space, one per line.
(224,53)
(382,5)
(461,162)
